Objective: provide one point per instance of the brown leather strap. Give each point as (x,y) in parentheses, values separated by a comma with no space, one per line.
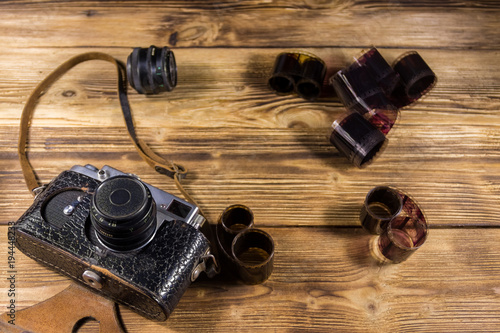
(175,171)
(9,328)
(158,163)
(64,311)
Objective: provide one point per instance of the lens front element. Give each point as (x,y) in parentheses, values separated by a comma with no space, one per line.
(123,213)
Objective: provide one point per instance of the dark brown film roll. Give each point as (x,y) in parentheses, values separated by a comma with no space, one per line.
(245,251)
(381,205)
(375,91)
(417,79)
(299,72)
(286,70)
(399,220)
(386,77)
(313,73)
(357,139)
(253,251)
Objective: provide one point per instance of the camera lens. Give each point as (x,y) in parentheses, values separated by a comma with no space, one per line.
(152,70)
(123,213)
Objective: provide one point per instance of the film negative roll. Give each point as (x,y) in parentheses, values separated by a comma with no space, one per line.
(405,233)
(310,82)
(246,252)
(253,252)
(407,80)
(356,138)
(299,72)
(385,76)
(416,79)
(376,91)
(360,92)
(398,219)
(286,70)
(382,204)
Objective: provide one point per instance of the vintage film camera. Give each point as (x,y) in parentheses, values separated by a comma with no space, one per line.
(121,237)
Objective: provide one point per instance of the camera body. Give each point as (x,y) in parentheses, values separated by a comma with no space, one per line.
(123,238)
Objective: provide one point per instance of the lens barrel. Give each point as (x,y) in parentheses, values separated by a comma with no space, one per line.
(123,213)
(152,70)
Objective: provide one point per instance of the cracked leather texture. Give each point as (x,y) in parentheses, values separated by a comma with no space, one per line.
(150,281)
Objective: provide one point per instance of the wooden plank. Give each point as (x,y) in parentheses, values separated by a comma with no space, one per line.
(447,24)
(228,87)
(244,144)
(282,138)
(287,176)
(325,279)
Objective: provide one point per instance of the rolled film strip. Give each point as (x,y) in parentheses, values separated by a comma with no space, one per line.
(398,219)
(356,138)
(381,205)
(299,72)
(245,251)
(373,89)
(416,79)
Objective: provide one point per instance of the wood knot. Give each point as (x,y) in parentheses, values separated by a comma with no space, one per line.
(69,93)
(372,307)
(90,12)
(298,124)
(172,40)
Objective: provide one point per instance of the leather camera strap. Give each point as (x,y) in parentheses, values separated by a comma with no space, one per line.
(64,312)
(175,171)
(170,169)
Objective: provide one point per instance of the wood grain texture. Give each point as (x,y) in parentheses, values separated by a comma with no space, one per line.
(205,24)
(238,121)
(227,87)
(243,144)
(326,280)
(288,177)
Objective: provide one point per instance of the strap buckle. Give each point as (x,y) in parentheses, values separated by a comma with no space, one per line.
(176,170)
(38,190)
(208,264)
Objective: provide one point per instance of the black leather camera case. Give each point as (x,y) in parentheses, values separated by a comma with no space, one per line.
(150,281)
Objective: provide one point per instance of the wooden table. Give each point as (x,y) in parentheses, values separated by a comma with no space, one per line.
(244,144)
